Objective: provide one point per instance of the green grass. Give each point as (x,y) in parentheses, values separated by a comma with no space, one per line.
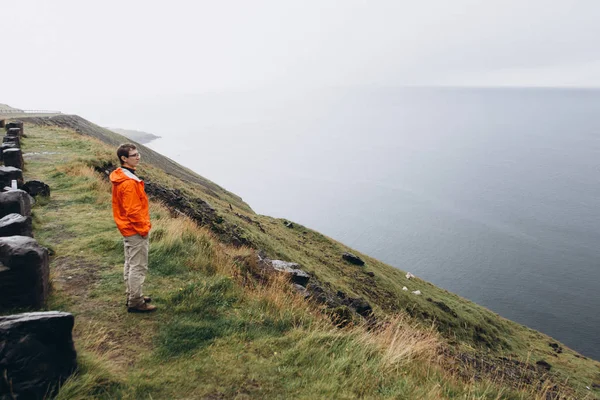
(216,336)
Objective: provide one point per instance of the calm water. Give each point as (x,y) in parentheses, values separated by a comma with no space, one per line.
(491,194)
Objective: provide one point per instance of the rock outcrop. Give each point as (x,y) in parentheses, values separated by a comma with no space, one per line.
(16,132)
(15,225)
(14,124)
(36,354)
(352,259)
(36,188)
(342,308)
(15,201)
(6,146)
(24,273)
(292,270)
(12,139)
(7,174)
(13,158)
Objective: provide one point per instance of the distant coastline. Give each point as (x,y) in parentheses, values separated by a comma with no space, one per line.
(138,136)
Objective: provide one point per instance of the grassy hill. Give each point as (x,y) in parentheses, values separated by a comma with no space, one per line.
(222,331)
(5,108)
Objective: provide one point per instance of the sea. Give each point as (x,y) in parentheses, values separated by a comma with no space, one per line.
(493,194)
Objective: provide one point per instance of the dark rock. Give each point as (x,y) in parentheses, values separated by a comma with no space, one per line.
(322,294)
(36,354)
(5,146)
(360,305)
(12,139)
(371,274)
(7,174)
(596,385)
(24,273)
(288,224)
(352,259)
(14,124)
(35,188)
(557,348)
(15,201)
(13,158)
(543,365)
(15,225)
(301,290)
(16,132)
(296,275)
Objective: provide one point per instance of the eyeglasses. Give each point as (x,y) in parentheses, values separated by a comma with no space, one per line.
(135,155)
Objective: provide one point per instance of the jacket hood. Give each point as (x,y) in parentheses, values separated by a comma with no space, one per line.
(120,175)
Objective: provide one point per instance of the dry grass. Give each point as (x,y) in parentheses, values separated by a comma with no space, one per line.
(402,341)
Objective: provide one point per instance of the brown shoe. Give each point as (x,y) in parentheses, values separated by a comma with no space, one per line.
(147,299)
(144,308)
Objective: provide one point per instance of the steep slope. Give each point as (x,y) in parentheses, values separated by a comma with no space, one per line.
(261,338)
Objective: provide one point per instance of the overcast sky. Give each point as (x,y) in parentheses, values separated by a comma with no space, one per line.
(62,54)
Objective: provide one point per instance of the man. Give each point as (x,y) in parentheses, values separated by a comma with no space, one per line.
(130,210)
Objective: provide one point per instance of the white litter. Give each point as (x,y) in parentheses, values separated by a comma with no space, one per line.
(404,288)
(417,292)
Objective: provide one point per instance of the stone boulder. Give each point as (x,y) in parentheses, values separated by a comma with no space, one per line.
(352,259)
(7,174)
(15,201)
(543,365)
(36,354)
(15,225)
(35,188)
(14,124)
(13,158)
(16,132)
(292,270)
(24,273)
(323,294)
(5,146)
(12,139)
(360,305)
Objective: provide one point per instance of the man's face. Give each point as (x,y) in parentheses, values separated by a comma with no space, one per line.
(133,160)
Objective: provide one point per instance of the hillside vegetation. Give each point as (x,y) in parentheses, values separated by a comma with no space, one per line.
(223,332)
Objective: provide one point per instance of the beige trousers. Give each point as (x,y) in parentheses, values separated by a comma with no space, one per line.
(135,268)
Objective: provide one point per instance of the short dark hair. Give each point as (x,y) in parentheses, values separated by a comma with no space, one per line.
(124,149)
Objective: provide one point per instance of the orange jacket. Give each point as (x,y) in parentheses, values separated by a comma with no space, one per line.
(130,203)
